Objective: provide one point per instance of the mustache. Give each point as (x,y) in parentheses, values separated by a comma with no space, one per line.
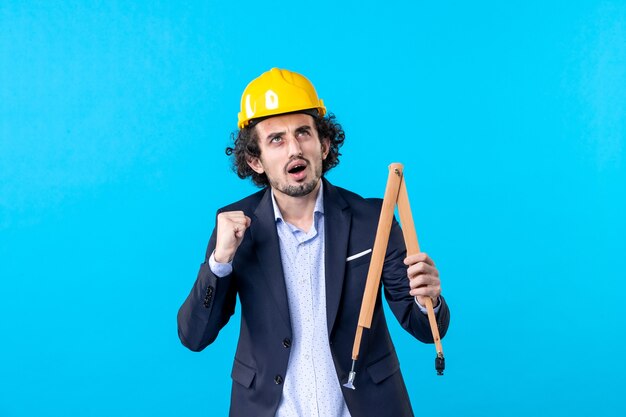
(296,158)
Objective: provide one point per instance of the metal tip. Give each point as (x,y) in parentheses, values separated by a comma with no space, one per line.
(440,363)
(350,383)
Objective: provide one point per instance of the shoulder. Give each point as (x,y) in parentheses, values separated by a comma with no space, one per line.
(356,203)
(357,199)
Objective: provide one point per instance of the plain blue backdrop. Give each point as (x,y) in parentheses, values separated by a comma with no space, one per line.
(510,118)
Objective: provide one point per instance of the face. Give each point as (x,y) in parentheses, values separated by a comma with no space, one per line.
(291,153)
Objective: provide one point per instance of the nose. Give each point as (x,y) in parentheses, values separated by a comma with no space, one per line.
(294,147)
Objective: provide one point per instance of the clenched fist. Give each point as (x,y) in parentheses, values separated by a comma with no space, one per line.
(231,226)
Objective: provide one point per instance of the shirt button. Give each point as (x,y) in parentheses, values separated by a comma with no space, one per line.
(287,342)
(278,379)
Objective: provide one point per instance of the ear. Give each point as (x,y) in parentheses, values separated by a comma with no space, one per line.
(256,165)
(325,148)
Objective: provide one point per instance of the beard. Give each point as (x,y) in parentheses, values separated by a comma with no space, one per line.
(299,190)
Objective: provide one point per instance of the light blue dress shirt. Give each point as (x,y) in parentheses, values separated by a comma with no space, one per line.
(311,384)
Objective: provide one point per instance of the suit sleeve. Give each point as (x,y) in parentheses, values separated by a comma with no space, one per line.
(396,290)
(208,307)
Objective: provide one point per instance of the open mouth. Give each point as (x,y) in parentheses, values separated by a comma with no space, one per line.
(296,168)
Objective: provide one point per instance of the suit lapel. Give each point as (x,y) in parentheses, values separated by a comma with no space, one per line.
(337,219)
(267,247)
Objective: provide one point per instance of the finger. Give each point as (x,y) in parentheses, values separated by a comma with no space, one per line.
(421,268)
(422,292)
(418,257)
(226,214)
(233,215)
(242,226)
(235,219)
(432,291)
(423,281)
(240,222)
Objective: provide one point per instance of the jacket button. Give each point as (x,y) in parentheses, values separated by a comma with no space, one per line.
(287,342)
(278,379)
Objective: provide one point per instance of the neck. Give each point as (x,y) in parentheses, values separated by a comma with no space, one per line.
(297,210)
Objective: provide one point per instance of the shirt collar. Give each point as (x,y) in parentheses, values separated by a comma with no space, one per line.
(319,203)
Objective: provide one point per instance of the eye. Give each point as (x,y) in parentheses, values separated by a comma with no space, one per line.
(276,139)
(304,133)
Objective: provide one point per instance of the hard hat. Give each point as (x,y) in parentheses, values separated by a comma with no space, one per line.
(278,91)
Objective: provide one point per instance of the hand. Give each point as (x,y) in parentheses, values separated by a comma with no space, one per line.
(423,278)
(231,226)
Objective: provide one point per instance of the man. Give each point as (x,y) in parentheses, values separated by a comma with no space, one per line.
(297,254)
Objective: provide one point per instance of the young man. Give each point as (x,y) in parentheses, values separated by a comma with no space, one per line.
(297,254)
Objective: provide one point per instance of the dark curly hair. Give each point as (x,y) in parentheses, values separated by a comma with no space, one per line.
(246,146)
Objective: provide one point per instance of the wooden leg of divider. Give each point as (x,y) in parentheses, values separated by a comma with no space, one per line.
(412,247)
(376,264)
(380,246)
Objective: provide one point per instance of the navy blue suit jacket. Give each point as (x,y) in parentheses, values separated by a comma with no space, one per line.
(265,336)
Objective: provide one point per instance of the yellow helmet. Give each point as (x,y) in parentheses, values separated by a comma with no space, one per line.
(278,91)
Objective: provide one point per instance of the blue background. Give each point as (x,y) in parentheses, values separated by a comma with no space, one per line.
(510,118)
